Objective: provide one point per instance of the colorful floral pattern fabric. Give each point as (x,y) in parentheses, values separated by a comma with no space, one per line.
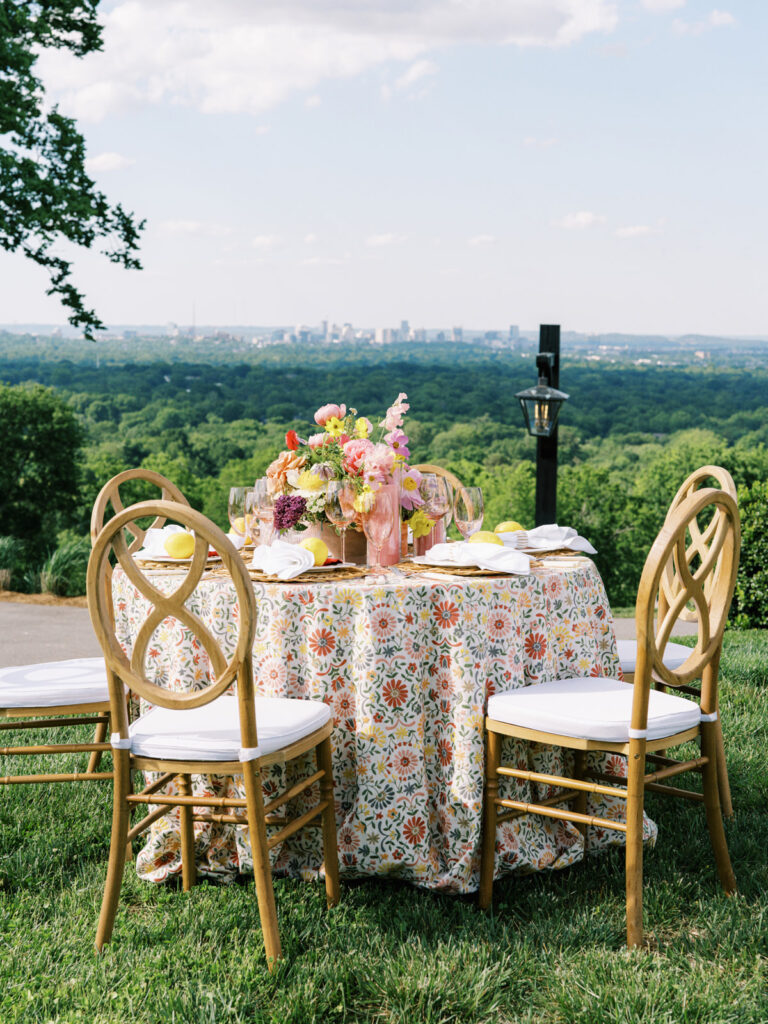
(406,667)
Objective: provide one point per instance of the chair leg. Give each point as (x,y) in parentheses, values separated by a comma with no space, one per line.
(488,855)
(99,736)
(262,870)
(188,864)
(634,846)
(712,808)
(117,847)
(579,771)
(723,785)
(330,850)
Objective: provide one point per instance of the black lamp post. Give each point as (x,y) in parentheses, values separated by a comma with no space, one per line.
(541,407)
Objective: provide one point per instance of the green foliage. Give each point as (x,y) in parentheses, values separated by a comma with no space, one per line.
(751,598)
(64,572)
(40,439)
(10,556)
(46,196)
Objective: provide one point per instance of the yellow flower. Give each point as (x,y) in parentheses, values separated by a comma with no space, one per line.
(363,427)
(420,524)
(409,484)
(364,501)
(309,481)
(334,426)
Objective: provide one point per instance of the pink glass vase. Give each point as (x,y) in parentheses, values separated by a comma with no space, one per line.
(390,548)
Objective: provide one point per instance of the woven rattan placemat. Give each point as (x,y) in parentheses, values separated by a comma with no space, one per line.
(347,572)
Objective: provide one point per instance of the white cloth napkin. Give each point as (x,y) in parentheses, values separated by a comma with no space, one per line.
(547,538)
(483,556)
(236,540)
(282,559)
(154,541)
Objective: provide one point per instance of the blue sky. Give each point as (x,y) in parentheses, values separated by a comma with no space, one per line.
(475,162)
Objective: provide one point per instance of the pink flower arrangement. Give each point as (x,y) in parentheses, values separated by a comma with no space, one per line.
(346,450)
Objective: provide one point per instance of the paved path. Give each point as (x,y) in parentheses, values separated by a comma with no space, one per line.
(30,633)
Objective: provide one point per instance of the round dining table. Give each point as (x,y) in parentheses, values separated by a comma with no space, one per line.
(406,664)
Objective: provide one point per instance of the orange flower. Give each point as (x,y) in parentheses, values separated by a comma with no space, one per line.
(278,471)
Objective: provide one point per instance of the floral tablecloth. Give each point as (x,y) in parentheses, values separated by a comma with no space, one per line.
(406,666)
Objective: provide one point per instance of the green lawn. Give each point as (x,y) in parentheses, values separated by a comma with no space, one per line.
(552,951)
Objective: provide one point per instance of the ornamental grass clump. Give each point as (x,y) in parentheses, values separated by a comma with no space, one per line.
(64,572)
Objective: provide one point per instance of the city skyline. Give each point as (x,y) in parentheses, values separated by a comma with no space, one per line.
(587,163)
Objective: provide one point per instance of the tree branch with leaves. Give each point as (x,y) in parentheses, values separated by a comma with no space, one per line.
(46,195)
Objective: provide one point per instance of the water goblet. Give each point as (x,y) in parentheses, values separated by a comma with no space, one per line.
(236,511)
(339,508)
(468,510)
(434,491)
(264,504)
(378,523)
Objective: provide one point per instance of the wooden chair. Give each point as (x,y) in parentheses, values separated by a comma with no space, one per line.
(428,467)
(637,721)
(49,695)
(674,655)
(207,730)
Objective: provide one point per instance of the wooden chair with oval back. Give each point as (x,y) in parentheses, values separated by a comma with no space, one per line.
(675,654)
(207,730)
(635,721)
(73,692)
(454,485)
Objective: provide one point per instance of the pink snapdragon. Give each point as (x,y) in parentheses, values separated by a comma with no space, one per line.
(327,412)
(355,453)
(398,442)
(395,413)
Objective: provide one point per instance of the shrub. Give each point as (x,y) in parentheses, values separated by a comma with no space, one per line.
(750,605)
(65,570)
(10,557)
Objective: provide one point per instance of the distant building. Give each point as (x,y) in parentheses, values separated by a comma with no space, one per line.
(457,334)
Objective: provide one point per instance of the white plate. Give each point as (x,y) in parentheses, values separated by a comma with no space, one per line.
(172,561)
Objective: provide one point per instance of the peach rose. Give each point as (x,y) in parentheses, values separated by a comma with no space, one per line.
(278,471)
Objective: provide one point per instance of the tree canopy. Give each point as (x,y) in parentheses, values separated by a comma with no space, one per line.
(46,195)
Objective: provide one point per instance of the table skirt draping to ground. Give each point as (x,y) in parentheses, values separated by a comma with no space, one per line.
(406,666)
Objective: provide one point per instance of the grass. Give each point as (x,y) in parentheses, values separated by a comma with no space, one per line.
(551,952)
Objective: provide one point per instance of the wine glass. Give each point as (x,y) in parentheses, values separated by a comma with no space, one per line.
(251,516)
(264,505)
(236,511)
(434,490)
(378,522)
(468,510)
(339,508)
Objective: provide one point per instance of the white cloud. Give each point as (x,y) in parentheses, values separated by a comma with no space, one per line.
(662,5)
(636,231)
(580,220)
(265,241)
(107,162)
(481,240)
(419,70)
(532,142)
(715,19)
(310,239)
(388,238)
(238,56)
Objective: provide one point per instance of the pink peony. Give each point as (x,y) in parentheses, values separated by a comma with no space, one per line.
(318,440)
(325,412)
(355,453)
(379,463)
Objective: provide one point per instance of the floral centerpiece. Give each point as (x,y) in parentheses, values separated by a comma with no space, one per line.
(347,448)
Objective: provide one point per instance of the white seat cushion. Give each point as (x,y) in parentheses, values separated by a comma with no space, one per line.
(54,684)
(591,708)
(212,732)
(674,655)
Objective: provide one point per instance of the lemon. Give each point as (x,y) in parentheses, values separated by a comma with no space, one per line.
(318,548)
(485,537)
(180,545)
(509,526)
(239,525)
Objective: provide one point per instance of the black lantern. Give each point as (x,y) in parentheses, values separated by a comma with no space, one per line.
(541,405)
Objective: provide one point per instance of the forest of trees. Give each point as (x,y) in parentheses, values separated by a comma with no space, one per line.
(628,437)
